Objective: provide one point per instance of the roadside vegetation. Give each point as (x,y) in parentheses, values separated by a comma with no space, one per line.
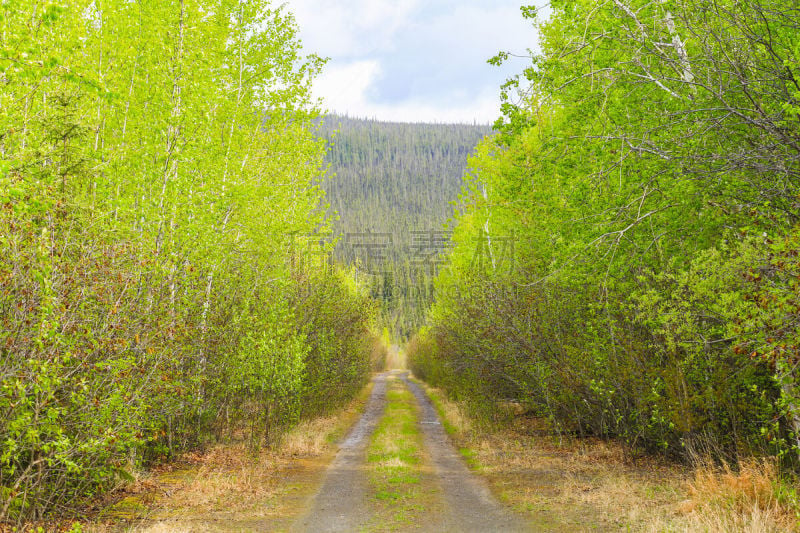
(591,484)
(231,486)
(626,253)
(162,285)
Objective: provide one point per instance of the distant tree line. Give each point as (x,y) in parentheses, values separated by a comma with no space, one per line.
(391,185)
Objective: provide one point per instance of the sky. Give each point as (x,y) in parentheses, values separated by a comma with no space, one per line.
(413,60)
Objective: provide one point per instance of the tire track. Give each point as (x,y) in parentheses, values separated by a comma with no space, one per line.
(463,501)
(469,504)
(341,504)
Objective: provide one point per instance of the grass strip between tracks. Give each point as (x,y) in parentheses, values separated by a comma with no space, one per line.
(395,460)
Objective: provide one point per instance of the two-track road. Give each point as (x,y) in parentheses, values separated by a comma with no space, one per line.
(344,501)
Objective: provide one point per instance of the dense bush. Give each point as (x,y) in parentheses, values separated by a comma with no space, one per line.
(626,252)
(157,210)
(335,315)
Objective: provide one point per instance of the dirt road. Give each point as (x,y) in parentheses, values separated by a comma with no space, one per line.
(469,505)
(463,501)
(342,502)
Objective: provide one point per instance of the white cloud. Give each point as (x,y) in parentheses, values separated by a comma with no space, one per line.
(410,60)
(483,110)
(347,28)
(344,87)
(345,90)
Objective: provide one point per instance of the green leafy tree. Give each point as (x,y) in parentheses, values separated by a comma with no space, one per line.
(646,167)
(158,167)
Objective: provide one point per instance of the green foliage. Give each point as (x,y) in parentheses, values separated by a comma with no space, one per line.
(157,177)
(648,172)
(336,316)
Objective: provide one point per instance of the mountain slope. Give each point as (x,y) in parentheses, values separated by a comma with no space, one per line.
(392,186)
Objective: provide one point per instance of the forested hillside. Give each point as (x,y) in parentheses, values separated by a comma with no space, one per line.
(648,175)
(157,162)
(392,186)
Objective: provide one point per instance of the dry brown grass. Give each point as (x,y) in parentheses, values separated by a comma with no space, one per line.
(591,484)
(310,437)
(723,521)
(751,485)
(167,528)
(224,483)
(456,417)
(744,498)
(229,479)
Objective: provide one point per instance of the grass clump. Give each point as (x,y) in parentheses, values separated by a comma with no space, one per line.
(750,496)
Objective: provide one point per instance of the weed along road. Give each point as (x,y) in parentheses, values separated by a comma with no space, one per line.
(397,470)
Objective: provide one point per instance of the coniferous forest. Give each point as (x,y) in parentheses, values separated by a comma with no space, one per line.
(391,189)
